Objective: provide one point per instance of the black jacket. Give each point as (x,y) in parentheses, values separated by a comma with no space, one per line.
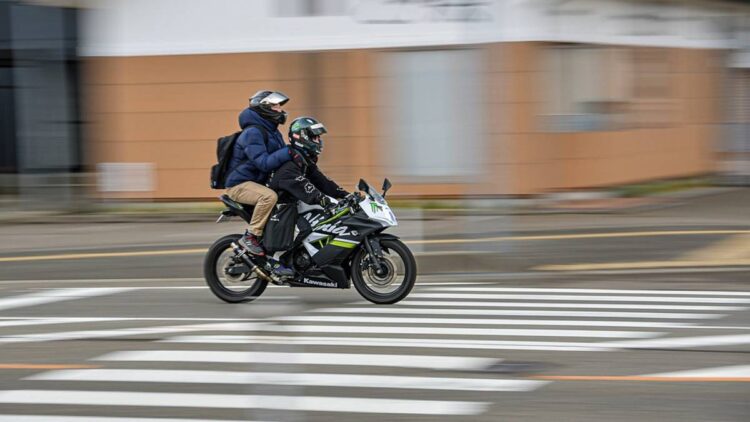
(304,182)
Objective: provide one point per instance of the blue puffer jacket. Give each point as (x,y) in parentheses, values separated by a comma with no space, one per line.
(253,160)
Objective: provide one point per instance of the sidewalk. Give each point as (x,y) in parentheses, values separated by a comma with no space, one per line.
(573,203)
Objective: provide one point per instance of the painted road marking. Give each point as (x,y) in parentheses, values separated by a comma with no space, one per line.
(573,236)
(437,343)
(57,295)
(55,319)
(469,304)
(643,265)
(44,366)
(516,312)
(344,359)
(123,332)
(736,371)
(578,298)
(432,343)
(59,418)
(285,378)
(236,401)
(93,255)
(472,321)
(574,290)
(636,378)
(106,280)
(731,248)
(458,331)
(582,236)
(682,342)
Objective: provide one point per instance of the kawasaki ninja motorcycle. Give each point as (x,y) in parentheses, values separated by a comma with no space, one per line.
(330,250)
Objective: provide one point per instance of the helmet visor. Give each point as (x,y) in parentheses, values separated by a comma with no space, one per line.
(318,129)
(275,98)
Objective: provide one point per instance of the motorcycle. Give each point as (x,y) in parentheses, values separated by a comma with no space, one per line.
(330,250)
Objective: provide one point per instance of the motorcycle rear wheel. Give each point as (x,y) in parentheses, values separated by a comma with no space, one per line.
(229,288)
(391,286)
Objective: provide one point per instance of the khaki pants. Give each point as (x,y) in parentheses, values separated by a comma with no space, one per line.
(262,197)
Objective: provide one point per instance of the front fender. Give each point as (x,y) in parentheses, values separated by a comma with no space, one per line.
(386,236)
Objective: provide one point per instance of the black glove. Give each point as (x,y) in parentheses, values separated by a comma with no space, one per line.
(328,205)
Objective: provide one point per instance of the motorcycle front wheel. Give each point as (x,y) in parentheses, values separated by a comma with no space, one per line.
(393,283)
(230,286)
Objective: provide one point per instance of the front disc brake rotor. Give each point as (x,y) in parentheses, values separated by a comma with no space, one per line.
(388,275)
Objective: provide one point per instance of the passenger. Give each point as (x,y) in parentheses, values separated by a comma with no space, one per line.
(259,150)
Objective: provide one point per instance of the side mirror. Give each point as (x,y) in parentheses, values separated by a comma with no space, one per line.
(362,185)
(386,185)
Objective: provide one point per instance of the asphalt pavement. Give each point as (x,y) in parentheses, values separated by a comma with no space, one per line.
(562,317)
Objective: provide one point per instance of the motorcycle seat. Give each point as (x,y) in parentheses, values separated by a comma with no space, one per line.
(245,211)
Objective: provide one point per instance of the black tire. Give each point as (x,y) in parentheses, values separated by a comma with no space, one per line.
(212,278)
(409,278)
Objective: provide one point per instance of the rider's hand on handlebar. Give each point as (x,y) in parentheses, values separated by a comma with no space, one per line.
(354,198)
(328,205)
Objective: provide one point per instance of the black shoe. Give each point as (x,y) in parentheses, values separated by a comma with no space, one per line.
(279,269)
(250,242)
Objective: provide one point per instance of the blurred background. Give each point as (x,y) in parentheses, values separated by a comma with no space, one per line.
(549,159)
(123,100)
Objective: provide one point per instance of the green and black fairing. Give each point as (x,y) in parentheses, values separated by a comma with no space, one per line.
(342,235)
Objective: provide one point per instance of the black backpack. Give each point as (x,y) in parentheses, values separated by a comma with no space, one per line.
(224,149)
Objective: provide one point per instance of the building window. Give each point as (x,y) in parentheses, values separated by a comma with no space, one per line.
(592,88)
(585,88)
(434,114)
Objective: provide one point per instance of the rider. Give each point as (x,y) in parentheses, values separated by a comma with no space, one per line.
(259,150)
(301,177)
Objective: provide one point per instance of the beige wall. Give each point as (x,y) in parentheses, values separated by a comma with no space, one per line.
(169,110)
(535,161)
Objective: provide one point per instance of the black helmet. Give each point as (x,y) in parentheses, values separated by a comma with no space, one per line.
(304,135)
(262,101)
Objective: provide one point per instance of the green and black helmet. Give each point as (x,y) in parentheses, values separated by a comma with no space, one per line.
(304,135)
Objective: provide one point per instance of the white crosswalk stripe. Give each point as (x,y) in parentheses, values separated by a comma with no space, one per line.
(618,298)
(552,305)
(332,356)
(515,312)
(285,378)
(430,343)
(473,321)
(494,332)
(238,401)
(343,359)
(734,371)
(60,418)
(573,290)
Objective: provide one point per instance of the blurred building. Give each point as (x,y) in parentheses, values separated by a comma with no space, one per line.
(445,97)
(41,148)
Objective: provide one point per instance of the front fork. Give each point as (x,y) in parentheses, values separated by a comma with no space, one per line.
(375,255)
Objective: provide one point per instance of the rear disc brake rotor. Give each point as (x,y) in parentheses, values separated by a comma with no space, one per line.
(226,261)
